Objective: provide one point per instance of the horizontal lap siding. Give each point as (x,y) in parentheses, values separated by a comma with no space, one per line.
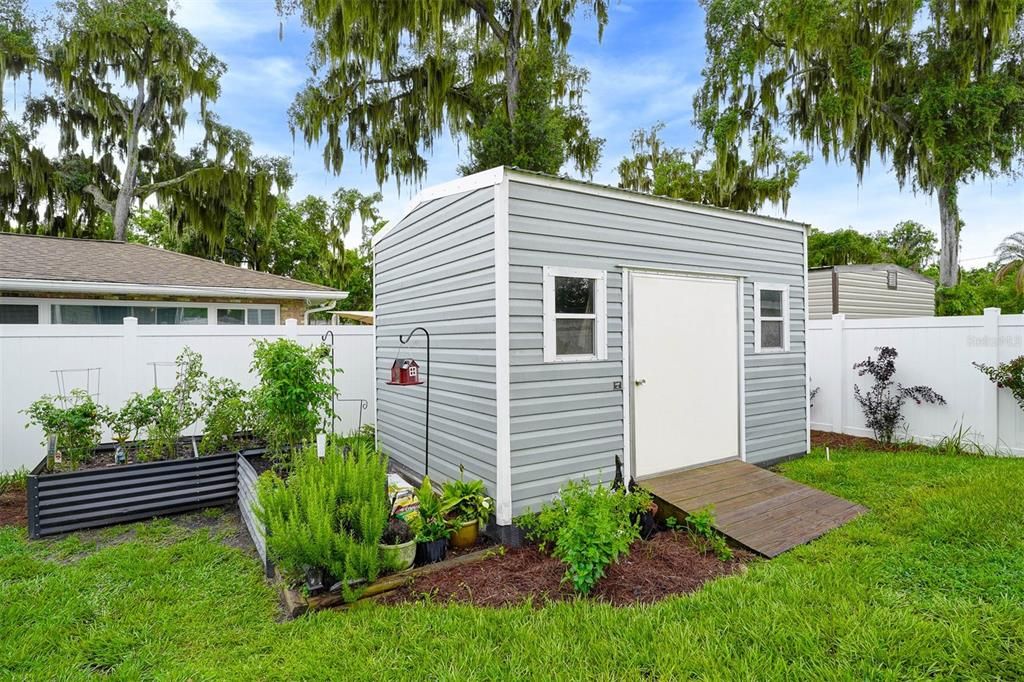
(436,269)
(866,294)
(567,418)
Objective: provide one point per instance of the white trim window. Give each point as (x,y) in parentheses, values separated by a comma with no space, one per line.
(243,314)
(575,315)
(771,318)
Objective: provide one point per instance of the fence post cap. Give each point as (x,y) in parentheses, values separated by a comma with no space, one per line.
(130,321)
(992,311)
(838,316)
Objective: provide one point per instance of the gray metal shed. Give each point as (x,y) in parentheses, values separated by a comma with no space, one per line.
(572,322)
(867,291)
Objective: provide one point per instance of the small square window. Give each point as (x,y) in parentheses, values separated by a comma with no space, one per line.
(574,337)
(575,315)
(574,295)
(771,318)
(891,279)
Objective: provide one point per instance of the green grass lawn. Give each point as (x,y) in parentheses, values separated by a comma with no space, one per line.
(930,583)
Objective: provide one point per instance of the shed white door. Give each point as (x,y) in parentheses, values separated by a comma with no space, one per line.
(685,353)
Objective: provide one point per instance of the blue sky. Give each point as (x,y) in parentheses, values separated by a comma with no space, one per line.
(646,69)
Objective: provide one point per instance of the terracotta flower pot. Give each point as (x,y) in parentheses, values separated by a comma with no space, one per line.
(466,534)
(400,556)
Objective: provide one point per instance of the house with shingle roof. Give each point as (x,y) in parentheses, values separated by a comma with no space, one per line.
(52,280)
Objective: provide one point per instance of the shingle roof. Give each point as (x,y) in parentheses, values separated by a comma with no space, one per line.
(93,260)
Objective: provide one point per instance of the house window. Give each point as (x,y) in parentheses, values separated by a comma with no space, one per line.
(261,316)
(78,313)
(771,318)
(230,315)
(16,313)
(264,316)
(575,315)
(891,279)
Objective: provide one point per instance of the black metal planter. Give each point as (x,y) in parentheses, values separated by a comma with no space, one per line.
(76,500)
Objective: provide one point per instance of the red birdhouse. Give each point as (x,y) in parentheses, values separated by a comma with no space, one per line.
(405,372)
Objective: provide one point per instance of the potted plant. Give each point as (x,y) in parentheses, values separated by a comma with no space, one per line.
(398,545)
(432,528)
(466,505)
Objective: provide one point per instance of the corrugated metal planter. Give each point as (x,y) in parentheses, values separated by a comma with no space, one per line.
(75,500)
(247,502)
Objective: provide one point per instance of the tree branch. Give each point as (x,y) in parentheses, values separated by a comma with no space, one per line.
(101,201)
(488,18)
(143,191)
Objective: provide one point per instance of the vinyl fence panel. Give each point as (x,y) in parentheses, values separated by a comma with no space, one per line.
(114,361)
(934,351)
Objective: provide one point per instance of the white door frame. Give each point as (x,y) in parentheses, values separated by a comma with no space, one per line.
(628,419)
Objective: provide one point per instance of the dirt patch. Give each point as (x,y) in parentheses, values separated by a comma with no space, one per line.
(136,452)
(838,441)
(665,565)
(14,508)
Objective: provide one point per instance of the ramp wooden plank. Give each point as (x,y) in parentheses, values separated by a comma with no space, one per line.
(757,508)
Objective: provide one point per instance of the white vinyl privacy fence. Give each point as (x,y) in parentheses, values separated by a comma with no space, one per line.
(114,361)
(934,351)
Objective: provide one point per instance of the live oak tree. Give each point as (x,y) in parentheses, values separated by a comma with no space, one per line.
(680,173)
(933,87)
(118,77)
(390,77)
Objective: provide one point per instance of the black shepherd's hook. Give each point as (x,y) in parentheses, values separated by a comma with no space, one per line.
(426,421)
(334,387)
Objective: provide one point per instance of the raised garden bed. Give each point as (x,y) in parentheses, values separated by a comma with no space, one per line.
(247,476)
(89,498)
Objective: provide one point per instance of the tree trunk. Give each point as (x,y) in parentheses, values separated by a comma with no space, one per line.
(949,219)
(512,60)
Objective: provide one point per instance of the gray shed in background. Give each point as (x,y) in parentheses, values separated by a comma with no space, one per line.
(867,291)
(572,323)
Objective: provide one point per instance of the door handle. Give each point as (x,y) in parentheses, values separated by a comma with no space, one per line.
(640,382)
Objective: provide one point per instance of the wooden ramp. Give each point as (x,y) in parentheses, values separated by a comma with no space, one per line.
(759,509)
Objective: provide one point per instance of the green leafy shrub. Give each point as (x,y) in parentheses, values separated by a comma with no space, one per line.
(294,393)
(588,528)
(701,526)
(1007,375)
(135,416)
(430,523)
(882,404)
(226,412)
(464,501)
(329,514)
(13,480)
(175,409)
(75,421)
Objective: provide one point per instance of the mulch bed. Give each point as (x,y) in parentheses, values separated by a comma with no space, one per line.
(839,441)
(14,508)
(667,564)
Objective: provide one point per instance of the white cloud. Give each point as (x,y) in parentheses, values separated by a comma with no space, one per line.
(214,21)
